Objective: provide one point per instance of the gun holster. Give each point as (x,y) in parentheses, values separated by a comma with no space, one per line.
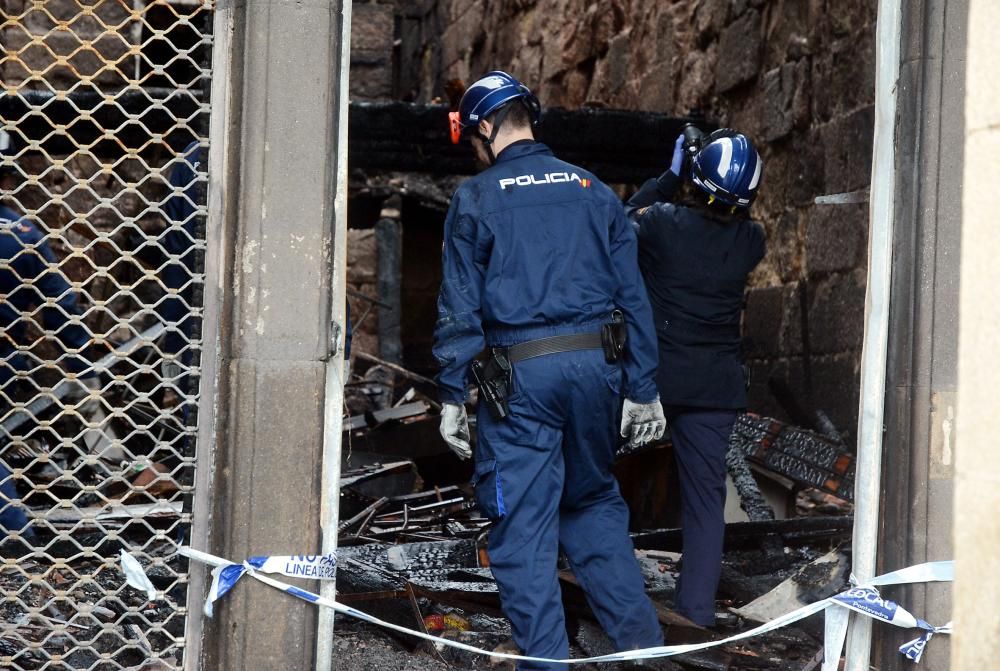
(613,336)
(493,377)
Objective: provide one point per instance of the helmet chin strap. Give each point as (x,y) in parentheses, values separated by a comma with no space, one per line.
(488,141)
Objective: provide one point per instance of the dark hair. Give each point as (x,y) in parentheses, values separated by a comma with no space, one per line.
(517,117)
(693,197)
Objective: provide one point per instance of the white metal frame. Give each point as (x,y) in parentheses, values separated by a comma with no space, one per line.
(333,411)
(868,479)
(219,138)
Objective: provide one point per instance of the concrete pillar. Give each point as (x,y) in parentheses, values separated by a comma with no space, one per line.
(976,643)
(272,300)
(922,366)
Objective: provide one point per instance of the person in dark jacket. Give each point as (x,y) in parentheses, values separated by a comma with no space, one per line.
(28,278)
(695,259)
(32,291)
(538,255)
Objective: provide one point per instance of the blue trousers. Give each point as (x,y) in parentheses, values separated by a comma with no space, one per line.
(701,439)
(544,476)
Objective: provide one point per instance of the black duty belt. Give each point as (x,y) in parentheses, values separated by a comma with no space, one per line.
(553,345)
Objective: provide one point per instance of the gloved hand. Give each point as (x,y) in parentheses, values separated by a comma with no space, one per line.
(677,160)
(642,422)
(455,429)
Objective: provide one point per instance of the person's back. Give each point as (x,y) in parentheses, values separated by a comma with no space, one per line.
(543,239)
(539,262)
(695,263)
(695,260)
(24,259)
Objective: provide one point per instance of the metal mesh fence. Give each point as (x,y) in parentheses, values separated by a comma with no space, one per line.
(104,114)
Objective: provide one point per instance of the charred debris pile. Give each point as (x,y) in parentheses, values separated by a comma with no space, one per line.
(413,546)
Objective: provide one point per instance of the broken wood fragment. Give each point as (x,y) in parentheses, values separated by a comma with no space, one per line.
(806,457)
(822,578)
(409,374)
(748,534)
(364,514)
(373,419)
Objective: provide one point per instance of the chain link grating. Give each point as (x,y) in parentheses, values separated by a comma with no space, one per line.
(105,113)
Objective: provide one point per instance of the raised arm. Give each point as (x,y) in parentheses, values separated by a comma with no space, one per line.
(661,190)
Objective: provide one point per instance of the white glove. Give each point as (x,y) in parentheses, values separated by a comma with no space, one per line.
(455,429)
(642,422)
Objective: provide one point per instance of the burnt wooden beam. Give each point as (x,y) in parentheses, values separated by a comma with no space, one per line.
(618,146)
(752,501)
(363,515)
(749,534)
(389,275)
(381,416)
(805,457)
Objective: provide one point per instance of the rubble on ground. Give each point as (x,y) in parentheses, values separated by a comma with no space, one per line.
(418,557)
(413,551)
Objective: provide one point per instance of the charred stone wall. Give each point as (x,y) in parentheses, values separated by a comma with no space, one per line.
(796,75)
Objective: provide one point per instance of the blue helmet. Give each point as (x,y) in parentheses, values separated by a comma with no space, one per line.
(728,168)
(487,95)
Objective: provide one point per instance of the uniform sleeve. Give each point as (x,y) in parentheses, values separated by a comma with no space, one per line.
(660,190)
(458,334)
(642,207)
(641,354)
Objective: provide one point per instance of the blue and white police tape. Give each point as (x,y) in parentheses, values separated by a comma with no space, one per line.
(322,567)
(861,599)
(867,601)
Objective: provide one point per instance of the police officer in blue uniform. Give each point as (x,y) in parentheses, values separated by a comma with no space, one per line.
(695,258)
(28,278)
(538,257)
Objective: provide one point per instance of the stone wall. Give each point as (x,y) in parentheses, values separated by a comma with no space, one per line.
(373,30)
(362,262)
(796,75)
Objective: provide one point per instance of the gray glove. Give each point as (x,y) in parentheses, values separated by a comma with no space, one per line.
(455,429)
(642,422)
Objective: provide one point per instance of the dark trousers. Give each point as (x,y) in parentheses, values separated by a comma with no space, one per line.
(544,476)
(701,439)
